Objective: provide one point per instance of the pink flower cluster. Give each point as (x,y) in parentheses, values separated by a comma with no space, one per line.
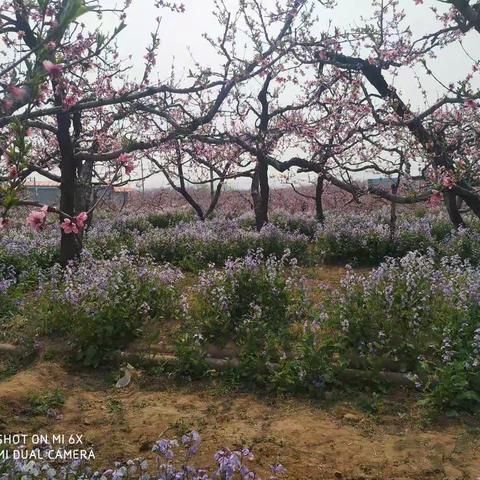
(53,69)
(436,199)
(125,161)
(447,181)
(36,219)
(12,169)
(76,225)
(18,93)
(15,94)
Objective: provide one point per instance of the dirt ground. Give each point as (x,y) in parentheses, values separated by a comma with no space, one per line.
(314,440)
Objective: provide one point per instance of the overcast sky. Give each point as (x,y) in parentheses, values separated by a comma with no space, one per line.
(181,37)
(181,34)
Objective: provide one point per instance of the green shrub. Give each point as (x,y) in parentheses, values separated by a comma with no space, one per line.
(102,305)
(169,218)
(464,242)
(368,240)
(413,315)
(41,403)
(129,224)
(27,251)
(8,280)
(256,307)
(299,223)
(193,246)
(104,241)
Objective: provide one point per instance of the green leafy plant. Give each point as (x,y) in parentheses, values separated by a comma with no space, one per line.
(103,304)
(40,403)
(416,316)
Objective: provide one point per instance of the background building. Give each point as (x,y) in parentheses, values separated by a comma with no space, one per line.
(48,193)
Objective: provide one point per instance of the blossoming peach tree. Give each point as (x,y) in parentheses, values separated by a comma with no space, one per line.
(442,136)
(72,113)
(334,107)
(53,66)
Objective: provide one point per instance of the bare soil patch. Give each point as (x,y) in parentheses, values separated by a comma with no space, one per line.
(313,440)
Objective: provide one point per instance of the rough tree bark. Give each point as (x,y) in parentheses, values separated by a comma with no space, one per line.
(70,245)
(260,188)
(260,191)
(451,205)
(319,199)
(393,214)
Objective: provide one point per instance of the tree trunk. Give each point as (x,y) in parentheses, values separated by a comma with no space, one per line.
(392,224)
(212,185)
(70,244)
(84,191)
(260,192)
(84,175)
(198,209)
(319,199)
(260,188)
(459,203)
(452,209)
(393,215)
(215,198)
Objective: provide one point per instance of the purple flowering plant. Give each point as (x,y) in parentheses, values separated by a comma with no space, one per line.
(194,245)
(103,304)
(413,315)
(173,460)
(256,307)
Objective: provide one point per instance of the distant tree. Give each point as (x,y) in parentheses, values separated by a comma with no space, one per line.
(188,165)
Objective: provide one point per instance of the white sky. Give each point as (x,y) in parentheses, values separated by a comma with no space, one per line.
(181,37)
(182,33)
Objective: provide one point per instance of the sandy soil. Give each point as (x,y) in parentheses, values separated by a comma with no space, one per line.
(312,440)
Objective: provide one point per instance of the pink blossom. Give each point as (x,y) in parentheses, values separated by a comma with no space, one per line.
(36,219)
(69,102)
(12,171)
(470,103)
(7,104)
(76,225)
(18,93)
(447,181)
(68,226)
(80,219)
(53,69)
(122,159)
(322,54)
(51,45)
(435,199)
(129,167)
(126,162)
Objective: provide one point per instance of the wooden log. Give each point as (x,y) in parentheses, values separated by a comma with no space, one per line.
(212,351)
(395,378)
(349,374)
(215,363)
(6,349)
